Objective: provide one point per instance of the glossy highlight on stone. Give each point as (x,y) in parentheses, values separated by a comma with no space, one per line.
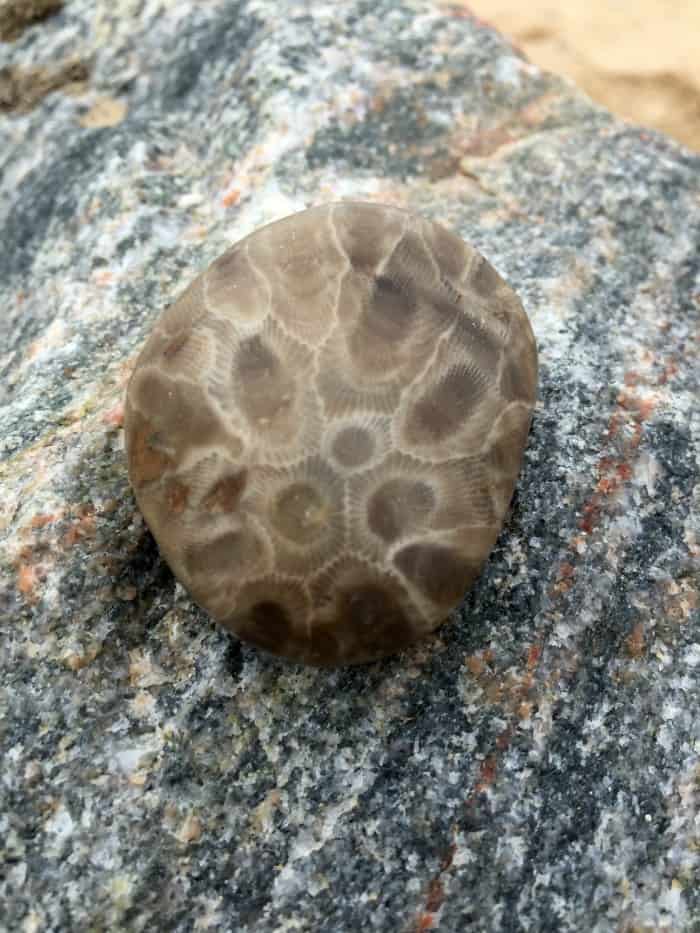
(325,429)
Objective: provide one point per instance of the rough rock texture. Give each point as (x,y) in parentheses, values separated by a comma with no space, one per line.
(533,766)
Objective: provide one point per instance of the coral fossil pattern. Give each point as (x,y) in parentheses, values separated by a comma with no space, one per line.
(324,431)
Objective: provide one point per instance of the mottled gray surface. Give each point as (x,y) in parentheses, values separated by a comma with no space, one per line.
(537,764)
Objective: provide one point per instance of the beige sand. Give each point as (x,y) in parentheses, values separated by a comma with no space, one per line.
(641,59)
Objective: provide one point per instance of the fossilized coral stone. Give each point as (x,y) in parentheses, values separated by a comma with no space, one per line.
(325,429)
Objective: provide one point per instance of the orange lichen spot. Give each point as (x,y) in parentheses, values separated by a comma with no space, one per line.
(533,656)
(669,371)
(564,577)
(487,773)
(635,643)
(103,277)
(425,921)
(646,408)
(27,579)
(475,664)
(33,348)
(195,232)
(231,197)
(589,517)
(83,526)
(641,408)
(615,474)
(114,418)
(624,472)
(42,519)
(607,485)
(77,660)
(614,425)
(436,895)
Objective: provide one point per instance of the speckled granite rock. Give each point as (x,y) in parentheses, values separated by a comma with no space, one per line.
(537,764)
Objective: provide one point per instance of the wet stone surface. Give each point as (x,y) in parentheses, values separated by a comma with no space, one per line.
(533,765)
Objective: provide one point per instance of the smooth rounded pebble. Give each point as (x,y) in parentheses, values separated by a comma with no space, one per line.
(325,429)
